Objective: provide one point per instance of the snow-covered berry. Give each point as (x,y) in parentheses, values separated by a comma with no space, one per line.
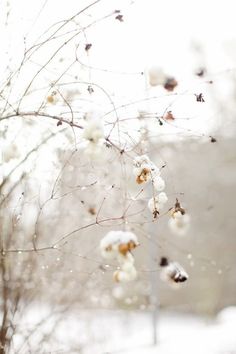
(156,76)
(159,183)
(155,204)
(172,272)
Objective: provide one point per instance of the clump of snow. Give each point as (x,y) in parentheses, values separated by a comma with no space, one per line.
(144,169)
(162,198)
(118,242)
(157,203)
(180,221)
(156,76)
(159,183)
(127,273)
(10,152)
(93,150)
(93,135)
(118,245)
(93,131)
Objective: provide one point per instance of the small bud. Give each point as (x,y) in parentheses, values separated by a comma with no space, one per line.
(119,18)
(169,116)
(213,140)
(200,72)
(88,46)
(163,262)
(50,99)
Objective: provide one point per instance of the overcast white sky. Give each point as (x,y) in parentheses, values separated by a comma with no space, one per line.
(164,33)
